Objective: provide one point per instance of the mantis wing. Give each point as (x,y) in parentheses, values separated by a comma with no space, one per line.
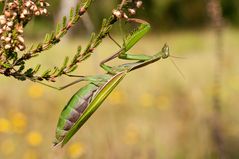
(94,105)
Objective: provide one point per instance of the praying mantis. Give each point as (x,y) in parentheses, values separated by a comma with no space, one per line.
(89,98)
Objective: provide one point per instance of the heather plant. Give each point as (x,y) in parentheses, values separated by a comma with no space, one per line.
(14,55)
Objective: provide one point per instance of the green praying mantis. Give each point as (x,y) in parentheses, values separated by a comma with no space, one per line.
(89,98)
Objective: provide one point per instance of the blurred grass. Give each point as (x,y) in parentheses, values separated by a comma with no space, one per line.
(158,116)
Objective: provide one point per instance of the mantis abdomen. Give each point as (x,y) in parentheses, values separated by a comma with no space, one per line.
(74,109)
(83,104)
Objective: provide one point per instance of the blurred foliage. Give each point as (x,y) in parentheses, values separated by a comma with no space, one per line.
(230,11)
(187,13)
(166,14)
(157,116)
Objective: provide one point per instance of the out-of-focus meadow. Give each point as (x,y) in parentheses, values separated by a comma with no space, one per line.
(154,112)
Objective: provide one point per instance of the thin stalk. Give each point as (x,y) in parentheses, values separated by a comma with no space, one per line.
(215,13)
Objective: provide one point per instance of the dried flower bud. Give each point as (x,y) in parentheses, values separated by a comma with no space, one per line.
(7,39)
(10,24)
(37,13)
(117,13)
(47,4)
(21,39)
(8,46)
(139,4)
(28,4)
(16,49)
(20,30)
(14,14)
(8,28)
(45,11)
(125,16)
(2,19)
(7,14)
(21,47)
(41,4)
(22,16)
(132,11)
(34,8)
(25,12)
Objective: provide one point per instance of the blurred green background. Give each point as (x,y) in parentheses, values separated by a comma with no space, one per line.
(164,15)
(154,113)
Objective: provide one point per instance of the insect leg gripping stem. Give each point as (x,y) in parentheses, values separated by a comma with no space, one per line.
(82,78)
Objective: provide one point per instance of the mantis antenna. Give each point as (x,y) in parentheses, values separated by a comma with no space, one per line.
(179,70)
(177,57)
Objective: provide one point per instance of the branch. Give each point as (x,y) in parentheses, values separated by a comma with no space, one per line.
(11,65)
(55,37)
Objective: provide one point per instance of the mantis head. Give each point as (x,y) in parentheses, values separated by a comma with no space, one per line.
(165,51)
(165,54)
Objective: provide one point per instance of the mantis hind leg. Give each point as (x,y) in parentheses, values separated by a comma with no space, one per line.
(81,79)
(62,87)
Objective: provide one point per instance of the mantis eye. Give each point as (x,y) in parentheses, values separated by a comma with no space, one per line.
(165,51)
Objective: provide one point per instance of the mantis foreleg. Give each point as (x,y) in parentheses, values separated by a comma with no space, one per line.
(129,42)
(142,57)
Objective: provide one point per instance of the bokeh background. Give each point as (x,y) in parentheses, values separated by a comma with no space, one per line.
(154,113)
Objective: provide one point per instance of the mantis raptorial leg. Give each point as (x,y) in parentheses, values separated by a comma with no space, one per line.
(129,42)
